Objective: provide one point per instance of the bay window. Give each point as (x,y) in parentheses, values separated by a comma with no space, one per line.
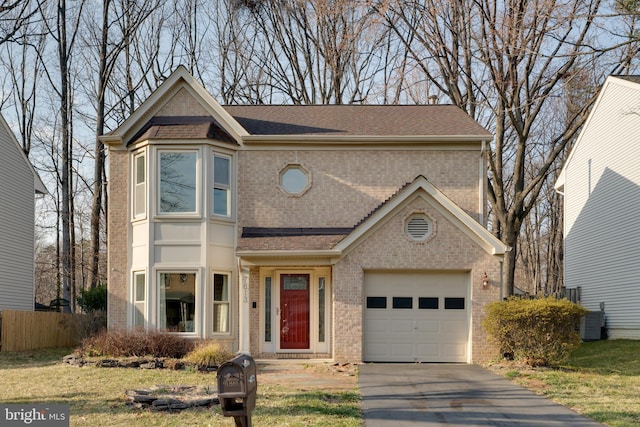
(221,185)
(140,187)
(177,298)
(139,299)
(220,303)
(177,181)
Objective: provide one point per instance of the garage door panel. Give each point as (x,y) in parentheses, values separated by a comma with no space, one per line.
(377,350)
(379,325)
(401,325)
(455,352)
(401,350)
(457,328)
(419,328)
(399,338)
(429,351)
(429,327)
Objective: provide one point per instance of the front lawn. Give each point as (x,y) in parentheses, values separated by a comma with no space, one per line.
(96,395)
(601,380)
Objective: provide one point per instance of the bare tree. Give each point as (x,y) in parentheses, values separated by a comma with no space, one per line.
(505,62)
(58,24)
(119,21)
(14,16)
(239,81)
(23,68)
(314,52)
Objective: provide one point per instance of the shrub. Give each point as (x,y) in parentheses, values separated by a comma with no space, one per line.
(540,332)
(93,299)
(208,353)
(91,323)
(138,342)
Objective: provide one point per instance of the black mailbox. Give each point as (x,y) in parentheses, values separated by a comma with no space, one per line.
(237,386)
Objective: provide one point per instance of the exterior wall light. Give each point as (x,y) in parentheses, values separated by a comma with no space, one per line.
(485,280)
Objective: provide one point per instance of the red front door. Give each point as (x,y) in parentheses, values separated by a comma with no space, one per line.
(294,311)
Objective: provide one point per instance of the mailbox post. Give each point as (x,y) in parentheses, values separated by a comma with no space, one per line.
(237,387)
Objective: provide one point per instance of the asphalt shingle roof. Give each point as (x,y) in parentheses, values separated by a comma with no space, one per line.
(356,120)
(182,127)
(320,120)
(290,243)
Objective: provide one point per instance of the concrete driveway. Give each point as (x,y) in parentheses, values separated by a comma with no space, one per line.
(396,395)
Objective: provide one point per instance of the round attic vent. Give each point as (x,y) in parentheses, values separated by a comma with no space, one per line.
(418,227)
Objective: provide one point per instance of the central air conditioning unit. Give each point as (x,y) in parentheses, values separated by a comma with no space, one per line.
(591,326)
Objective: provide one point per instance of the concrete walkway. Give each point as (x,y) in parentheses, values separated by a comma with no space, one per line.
(397,395)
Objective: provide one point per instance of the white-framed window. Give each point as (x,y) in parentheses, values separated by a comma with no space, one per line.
(221,291)
(139,185)
(221,185)
(177,181)
(322,308)
(294,179)
(177,293)
(268,296)
(139,299)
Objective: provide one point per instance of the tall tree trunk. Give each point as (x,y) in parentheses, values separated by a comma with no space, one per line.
(96,208)
(72,235)
(510,238)
(65,161)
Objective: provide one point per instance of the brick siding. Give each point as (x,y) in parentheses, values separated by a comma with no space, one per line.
(182,104)
(118,227)
(390,249)
(347,185)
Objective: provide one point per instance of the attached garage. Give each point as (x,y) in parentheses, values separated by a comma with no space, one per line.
(416,317)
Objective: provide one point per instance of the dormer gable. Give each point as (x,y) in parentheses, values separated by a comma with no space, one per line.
(184,109)
(421,187)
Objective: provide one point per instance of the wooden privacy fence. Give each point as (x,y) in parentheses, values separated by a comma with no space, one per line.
(27,330)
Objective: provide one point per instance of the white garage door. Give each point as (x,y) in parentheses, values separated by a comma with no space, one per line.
(416,317)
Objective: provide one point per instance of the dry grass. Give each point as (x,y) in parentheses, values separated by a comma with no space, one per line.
(208,353)
(601,380)
(96,395)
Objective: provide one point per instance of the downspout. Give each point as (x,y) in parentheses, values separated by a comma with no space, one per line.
(501,280)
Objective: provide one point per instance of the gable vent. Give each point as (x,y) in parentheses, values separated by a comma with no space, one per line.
(418,227)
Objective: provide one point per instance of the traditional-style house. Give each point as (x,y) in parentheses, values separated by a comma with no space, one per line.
(349,232)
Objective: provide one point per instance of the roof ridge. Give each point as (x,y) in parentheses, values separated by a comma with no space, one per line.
(338,105)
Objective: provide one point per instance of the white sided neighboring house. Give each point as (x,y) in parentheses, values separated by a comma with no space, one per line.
(19,182)
(600,182)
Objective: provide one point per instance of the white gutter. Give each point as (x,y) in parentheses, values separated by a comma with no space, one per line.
(288,254)
(362,139)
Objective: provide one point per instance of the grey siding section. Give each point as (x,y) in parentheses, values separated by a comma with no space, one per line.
(602,209)
(16,225)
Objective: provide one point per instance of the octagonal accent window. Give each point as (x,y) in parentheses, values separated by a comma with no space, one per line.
(418,227)
(294,179)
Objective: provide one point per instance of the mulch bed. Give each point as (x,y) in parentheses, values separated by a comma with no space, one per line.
(134,362)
